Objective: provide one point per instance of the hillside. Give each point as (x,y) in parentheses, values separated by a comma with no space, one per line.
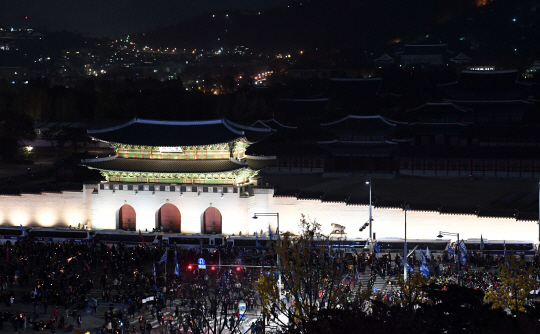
(499,27)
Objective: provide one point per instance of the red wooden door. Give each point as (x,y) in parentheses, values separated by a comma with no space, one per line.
(212,221)
(169,217)
(127,218)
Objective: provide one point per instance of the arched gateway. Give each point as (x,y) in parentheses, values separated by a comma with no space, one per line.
(169,218)
(170,158)
(212,221)
(127,218)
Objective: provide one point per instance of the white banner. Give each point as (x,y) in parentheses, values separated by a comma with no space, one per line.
(170,150)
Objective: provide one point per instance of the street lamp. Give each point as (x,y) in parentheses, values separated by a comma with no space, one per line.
(257,215)
(457,254)
(370,216)
(405,208)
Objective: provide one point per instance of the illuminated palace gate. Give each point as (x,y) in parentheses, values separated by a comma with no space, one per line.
(175,157)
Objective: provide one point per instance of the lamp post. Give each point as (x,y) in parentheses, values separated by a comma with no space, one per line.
(370,216)
(405,271)
(257,215)
(441,233)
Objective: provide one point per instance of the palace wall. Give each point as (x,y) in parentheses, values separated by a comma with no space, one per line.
(390,223)
(47,209)
(99,209)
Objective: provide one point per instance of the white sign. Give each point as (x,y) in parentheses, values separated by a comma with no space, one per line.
(170,150)
(202,266)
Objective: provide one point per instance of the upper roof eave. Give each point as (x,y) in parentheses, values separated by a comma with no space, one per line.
(157,133)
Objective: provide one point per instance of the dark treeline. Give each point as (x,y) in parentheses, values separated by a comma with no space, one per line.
(98,99)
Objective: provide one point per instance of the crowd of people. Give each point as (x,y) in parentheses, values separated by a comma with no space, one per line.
(480,271)
(58,283)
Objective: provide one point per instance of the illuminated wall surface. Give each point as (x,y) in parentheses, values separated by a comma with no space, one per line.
(101,209)
(46,209)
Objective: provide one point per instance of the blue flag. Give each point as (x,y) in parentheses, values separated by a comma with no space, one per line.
(163,259)
(176,268)
(409,268)
(463,251)
(357,275)
(154,273)
(24,234)
(377,250)
(481,243)
(329,250)
(256,241)
(424,270)
(423,265)
(270,233)
(277,232)
(451,251)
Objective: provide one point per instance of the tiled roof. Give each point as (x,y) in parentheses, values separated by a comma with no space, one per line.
(478,85)
(385,58)
(430,49)
(314,195)
(464,152)
(40,189)
(360,125)
(330,197)
(174,133)
(470,210)
(260,162)
(252,134)
(272,124)
(445,112)
(528,216)
(352,149)
(164,166)
(461,57)
(279,192)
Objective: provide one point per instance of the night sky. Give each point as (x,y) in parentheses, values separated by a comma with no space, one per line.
(113,18)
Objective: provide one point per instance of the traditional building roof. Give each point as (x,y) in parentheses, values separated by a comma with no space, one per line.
(272,124)
(461,58)
(164,166)
(416,130)
(260,162)
(427,49)
(359,149)
(486,85)
(145,132)
(385,59)
(360,126)
(468,152)
(445,112)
